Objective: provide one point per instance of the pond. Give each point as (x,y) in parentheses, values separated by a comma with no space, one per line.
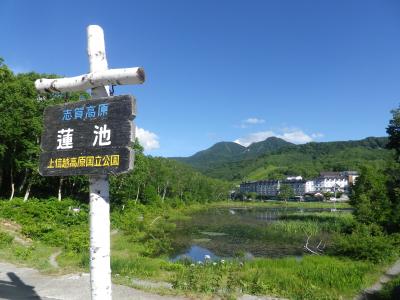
(224,233)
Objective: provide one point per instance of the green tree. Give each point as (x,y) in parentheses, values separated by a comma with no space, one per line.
(20,128)
(370,198)
(393,171)
(285,192)
(393,130)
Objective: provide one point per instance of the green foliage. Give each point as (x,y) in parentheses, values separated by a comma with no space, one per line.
(146,232)
(208,277)
(23,253)
(154,179)
(370,198)
(285,192)
(287,159)
(157,180)
(366,243)
(393,190)
(50,221)
(5,239)
(224,153)
(390,290)
(376,195)
(393,130)
(313,277)
(140,266)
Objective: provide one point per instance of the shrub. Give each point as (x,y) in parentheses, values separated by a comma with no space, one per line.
(366,243)
(5,239)
(390,290)
(22,252)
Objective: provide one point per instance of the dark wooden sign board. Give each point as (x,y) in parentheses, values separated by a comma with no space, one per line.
(88,137)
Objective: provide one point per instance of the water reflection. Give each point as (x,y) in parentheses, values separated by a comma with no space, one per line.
(240,232)
(196,253)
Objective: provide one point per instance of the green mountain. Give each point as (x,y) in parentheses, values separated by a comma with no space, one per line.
(225,152)
(275,158)
(266,146)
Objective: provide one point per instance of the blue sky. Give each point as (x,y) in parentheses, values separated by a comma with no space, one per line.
(227,70)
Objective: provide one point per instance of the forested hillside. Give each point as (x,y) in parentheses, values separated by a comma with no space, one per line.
(281,158)
(21,109)
(226,152)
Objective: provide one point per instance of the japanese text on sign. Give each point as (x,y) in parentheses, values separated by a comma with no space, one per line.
(88,137)
(85,112)
(84,161)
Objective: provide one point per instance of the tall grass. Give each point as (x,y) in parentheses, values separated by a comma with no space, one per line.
(312,277)
(145,230)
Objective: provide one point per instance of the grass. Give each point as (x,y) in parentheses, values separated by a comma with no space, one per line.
(35,255)
(390,290)
(143,231)
(313,277)
(316,277)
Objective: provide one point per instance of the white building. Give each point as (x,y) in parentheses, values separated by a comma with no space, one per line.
(331,181)
(309,186)
(294,178)
(326,182)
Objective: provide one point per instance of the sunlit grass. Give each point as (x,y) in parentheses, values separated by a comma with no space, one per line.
(142,229)
(312,277)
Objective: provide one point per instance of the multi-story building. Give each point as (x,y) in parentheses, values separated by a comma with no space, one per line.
(268,187)
(331,181)
(326,182)
(351,176)
(298,186)
(310,186)
(248,187)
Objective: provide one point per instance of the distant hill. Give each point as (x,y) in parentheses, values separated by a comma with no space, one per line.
(266,146)
(276,158)
(224,152)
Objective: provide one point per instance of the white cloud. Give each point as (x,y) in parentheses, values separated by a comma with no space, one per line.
(317,135)
(254,121)
(292,135)
(148,139)
(250,122)
(296,137)
(254,137)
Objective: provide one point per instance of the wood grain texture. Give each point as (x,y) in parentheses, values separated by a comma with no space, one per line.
(83,136)
(86,162)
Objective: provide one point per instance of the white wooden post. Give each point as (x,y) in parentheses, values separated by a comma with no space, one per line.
(100,269)
(98,79)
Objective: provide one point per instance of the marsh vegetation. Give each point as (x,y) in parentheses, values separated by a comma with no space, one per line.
(253,248)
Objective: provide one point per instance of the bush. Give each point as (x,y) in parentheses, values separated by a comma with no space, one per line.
(391,290)
(23,253)
(5,239)
(50,221)
(206,277)
(366,243)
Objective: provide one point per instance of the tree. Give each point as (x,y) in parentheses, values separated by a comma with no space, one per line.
(153,180)
(285,192)
(129,186)
(393,130)
(20,127)
(370,198)
(393,171)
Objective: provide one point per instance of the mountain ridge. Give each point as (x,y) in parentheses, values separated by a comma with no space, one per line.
(276,157)
(231,151)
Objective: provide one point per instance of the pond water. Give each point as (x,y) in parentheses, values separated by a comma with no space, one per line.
(223,233)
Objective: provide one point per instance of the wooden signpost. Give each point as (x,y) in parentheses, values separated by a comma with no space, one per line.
(92,138)
(88,137)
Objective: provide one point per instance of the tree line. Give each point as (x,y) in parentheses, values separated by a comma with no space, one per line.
(376,195)
(154,179)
